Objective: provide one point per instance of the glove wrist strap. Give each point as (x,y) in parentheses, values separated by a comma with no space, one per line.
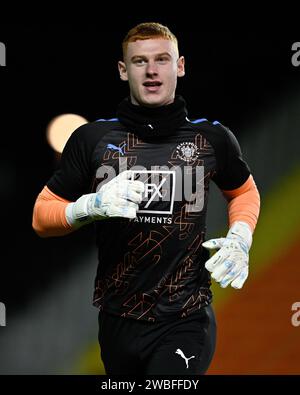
(77,214)
(242,231)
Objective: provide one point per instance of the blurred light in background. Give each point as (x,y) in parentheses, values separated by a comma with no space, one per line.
(60,129)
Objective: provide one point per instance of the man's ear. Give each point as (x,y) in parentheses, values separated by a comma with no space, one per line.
(122,71)
(180,67)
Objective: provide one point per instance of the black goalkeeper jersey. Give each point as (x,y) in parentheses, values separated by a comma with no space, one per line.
(152,267)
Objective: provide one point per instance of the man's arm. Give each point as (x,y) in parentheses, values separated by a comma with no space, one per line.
(49,218)
(230,265)
(55,216)
(65,204)
(243,203)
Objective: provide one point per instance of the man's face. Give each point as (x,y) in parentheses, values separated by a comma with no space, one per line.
(151,68)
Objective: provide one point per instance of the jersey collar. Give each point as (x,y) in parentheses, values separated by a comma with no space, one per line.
(153,123)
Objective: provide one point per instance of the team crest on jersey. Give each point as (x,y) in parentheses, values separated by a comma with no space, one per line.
(187,151)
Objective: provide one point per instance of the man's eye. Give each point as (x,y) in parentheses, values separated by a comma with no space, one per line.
(162,60)
(139,61)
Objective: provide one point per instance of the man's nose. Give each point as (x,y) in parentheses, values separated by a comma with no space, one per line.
(151,68)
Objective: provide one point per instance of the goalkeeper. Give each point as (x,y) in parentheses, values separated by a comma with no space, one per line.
(152,286)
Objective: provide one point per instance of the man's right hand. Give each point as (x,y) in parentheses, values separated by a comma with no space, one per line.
(119,197)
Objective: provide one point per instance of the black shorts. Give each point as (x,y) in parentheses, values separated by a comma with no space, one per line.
(183,346)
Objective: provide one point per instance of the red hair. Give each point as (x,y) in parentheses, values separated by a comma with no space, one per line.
(146,31)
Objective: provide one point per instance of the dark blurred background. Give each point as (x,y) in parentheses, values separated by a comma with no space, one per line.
(237,77)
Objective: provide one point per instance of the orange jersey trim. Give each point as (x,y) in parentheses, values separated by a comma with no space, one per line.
(49,218)
(243,203)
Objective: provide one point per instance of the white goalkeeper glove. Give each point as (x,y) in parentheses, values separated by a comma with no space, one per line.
(230,263)
(120,197)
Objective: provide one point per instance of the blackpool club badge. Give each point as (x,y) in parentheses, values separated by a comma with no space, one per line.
(187,152)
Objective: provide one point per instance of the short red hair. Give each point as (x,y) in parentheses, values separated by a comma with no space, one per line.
(146,31)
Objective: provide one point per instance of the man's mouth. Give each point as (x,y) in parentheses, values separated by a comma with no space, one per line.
(152,83)
(152,86)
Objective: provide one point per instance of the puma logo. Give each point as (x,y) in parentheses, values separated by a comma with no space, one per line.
(179,352)
(115,148)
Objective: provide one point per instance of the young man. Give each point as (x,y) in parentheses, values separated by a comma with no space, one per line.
(153,279)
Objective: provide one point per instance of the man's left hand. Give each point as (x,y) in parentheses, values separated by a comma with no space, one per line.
(230,265)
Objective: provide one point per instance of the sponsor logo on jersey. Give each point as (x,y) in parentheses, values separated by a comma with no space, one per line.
(159,187)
